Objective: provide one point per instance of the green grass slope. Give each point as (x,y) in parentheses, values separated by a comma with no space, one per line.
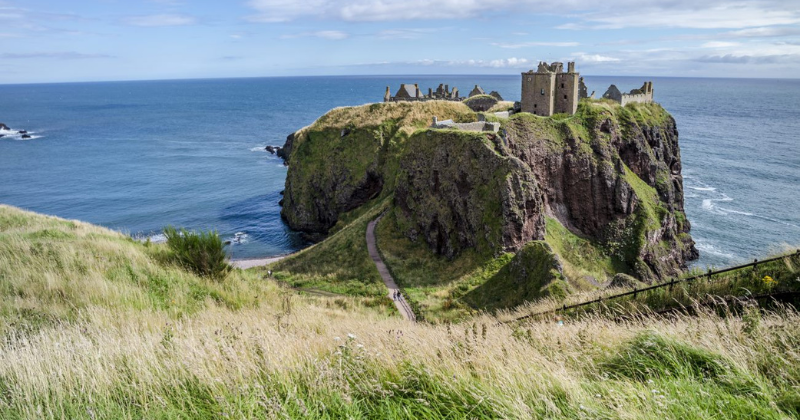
(128,337)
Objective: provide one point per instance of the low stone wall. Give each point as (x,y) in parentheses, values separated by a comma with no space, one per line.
(641,98)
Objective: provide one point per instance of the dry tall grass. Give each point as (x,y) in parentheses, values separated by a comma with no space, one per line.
(122,352)
(301,363)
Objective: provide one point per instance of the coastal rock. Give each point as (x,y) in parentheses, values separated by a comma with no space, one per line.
(286,150)
(270,149)
(611,175)
(26,136)
(22,132)
(455,192)
(330,174)
(4,127)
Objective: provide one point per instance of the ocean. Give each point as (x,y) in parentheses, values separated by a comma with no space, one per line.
(137,156)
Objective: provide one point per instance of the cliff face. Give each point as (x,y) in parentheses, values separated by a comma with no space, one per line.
(609,174)
(612,174)
(455,191)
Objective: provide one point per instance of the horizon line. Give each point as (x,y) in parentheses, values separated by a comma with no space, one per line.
(374,76)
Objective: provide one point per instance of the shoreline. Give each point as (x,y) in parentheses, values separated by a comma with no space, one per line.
(256,262)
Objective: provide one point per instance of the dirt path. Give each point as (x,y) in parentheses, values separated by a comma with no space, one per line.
(372,247)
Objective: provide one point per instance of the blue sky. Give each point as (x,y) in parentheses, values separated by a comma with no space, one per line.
(95,40)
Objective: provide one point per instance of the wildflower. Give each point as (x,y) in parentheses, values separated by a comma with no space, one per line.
(361,346)
(769,281)
(351,336)
(336,338)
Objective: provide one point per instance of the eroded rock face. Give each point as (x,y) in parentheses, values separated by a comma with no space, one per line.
(610,174)
(455,192)
(620,185)
(333,174)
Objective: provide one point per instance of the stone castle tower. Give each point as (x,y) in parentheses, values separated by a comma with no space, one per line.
(550,90)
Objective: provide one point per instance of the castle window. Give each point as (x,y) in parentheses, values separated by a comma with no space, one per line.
(562,85)
(542,91)
(529,79)
(535,105)
(565,96)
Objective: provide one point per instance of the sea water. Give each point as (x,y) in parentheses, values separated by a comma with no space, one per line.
(137,156)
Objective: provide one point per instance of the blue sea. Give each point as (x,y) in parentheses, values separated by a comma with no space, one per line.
(137,156)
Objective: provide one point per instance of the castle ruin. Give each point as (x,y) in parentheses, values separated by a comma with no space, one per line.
(411,92)
(642,95)
(550,90)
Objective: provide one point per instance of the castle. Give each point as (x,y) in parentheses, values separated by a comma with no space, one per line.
(550,90)
(547,91)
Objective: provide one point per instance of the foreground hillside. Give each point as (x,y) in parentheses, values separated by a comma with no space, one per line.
(97,326)
(485,220)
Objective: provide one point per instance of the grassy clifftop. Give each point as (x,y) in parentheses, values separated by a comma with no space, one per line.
(117,346)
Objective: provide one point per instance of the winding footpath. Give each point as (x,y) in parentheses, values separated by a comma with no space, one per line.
(372,247)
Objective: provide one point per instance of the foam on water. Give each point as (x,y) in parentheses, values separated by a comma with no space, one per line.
(704,246)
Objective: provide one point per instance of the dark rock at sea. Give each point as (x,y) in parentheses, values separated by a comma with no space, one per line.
(4,127)
(270,149)
(22,132)
(25,136)
(286,150)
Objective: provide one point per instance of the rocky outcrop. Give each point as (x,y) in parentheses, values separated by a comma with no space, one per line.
(286,150)
(610,175)
(333,175)
(455,192)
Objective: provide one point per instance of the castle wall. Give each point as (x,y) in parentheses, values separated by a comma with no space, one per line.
(641,98)
(537,93)
(566,93)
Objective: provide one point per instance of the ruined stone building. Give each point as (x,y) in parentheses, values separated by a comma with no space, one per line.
(643,95)
(477,91)
(411,92)
(550,90)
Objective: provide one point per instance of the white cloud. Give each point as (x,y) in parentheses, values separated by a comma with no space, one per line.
(705,14)
(715,16)
(161,20)
(412,33)
(719,44)
(331,35)
(594,58)
(512,62)
(763,32)
(69,55)
(535,44)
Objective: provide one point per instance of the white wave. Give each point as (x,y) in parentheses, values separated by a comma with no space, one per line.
(703,188)
(156,238)
(708,204)
(14,135)
(259,149)
(239,238)
(743,213)
(711,249)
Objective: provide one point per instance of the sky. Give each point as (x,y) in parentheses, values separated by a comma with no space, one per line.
(45,41)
